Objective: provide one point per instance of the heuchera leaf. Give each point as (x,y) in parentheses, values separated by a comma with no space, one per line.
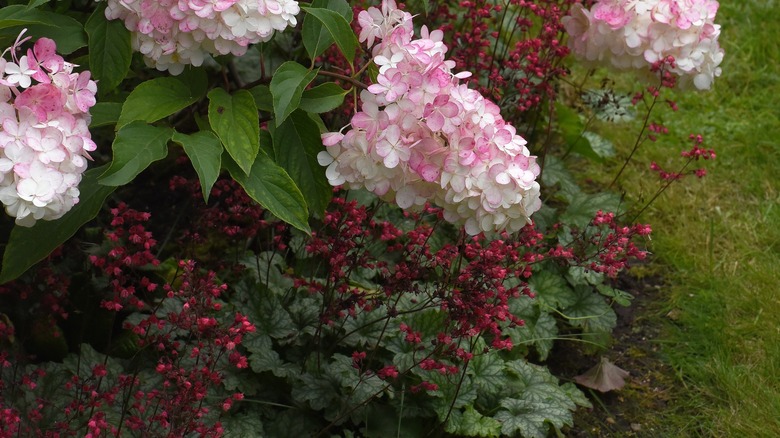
(135,147)
(590,311)
(323,98)
(296,145)
(541,402)
(339,30)
(234,119)
(109,49)
(205,152)
(272,187)
(28,246)
(317,38)
(158,98)
(287,85)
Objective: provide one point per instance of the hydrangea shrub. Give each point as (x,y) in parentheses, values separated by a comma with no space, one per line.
(231,289)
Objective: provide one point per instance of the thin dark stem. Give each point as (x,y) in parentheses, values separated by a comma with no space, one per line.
(639,141)
(342,77)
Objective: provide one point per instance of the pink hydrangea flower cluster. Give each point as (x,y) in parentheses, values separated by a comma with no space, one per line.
(636,34)
(174,33)
(422,135)
(44,135)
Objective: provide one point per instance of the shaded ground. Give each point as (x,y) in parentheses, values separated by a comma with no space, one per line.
(634,410)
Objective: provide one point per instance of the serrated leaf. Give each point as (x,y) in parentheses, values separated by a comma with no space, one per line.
(529,417)
(135,147)
(580,275)
(264,358)
(555,172)
(590,311)
(600,145)
(317,38)
(487,371)
(623,298)
(338,28)
(470,422)
(234,119)
(320,392)
(539,330)
(272,188)
(287,85)
(541,401)
(296,144)
(105,113)
(158,98)
(551,289)
(583,208)
(28,246)
(242,425)
(263,98)
(323,98)
(110,51)
(205,153)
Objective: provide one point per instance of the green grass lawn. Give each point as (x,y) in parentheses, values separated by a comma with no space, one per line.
(718,239)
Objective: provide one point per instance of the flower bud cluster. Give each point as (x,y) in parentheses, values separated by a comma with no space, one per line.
(174,33)
(424,136)
(44,135)
(635,34)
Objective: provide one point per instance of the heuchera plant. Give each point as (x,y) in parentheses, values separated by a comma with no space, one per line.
(205,278)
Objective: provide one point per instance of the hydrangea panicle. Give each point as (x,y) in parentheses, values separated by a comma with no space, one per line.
(635,35)
(421,135)
(44,136)
(174,33)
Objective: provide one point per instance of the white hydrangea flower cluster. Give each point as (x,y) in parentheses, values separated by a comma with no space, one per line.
(636,34)
(423,136)
(174,33)
(44,135)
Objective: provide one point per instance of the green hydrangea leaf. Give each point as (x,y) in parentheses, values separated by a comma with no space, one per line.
(205,153)
(296,145)
(110,51)
(316,37)
(136,146)
(234,119)
(158,98)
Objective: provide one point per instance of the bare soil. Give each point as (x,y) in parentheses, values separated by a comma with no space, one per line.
(632,411)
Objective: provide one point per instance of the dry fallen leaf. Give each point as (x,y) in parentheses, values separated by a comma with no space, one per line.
(604,377)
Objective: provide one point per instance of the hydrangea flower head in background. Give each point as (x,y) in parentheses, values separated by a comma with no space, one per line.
(639,34)
(174,33)
(44,135)
(422,135)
